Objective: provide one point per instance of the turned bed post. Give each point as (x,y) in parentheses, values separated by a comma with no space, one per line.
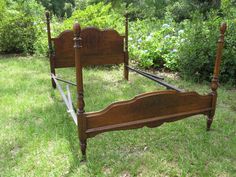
(50,50)
(215,79)
(126,57)
(80,91)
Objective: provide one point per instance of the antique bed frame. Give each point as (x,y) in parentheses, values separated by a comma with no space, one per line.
(92,46)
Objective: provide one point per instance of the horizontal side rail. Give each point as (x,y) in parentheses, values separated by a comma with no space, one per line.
(65,81)
(160,81)
(144,73)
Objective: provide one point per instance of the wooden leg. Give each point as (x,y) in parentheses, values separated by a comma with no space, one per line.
(53,83)
(209,122)
(126,73)
(83,146)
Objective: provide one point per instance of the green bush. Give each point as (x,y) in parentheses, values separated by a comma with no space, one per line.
(228,69)
(41,43)
(98,15)
(180,10)
(17,34)
(154,44)
(18,27)
(197,52)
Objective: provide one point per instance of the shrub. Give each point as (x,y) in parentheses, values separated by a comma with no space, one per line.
(180,10)
(17,34)
(18,30)
(41,43)
(60,8)
(228,69)
(99,15)
(154,44)
(197,52)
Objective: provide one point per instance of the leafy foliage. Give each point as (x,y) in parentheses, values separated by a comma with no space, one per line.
(17,35)
(18,30)
(60,8)
(175,35)
(156,49)
(197,52)
(99,15)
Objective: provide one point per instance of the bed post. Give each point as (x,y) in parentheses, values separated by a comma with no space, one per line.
(215,79)
(126,57)
(80,91)
(52,68)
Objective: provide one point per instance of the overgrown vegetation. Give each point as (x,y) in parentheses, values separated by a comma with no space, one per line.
(178,36)
(38,138)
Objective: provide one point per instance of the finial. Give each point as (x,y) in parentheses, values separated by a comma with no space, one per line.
(77,29)
(47,14)
(77,38)
(215,79)
(223,28)
(126,15)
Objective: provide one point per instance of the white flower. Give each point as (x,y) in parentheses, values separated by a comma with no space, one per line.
(139,40)
(149,38)
(130,38)
(174,50)
(180,31)
(167,36)
(165,26)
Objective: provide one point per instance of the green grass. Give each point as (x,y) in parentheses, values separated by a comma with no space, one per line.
(38,138)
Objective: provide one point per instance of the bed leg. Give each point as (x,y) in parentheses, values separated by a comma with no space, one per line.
(209,122)
(53,84)
(83,146)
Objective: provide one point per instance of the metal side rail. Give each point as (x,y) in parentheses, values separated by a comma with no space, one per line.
(145,74)
(65,81)
(156,79)
(67,99)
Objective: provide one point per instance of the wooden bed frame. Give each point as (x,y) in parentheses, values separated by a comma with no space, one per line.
(92,46)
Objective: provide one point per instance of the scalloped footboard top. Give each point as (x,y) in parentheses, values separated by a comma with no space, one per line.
(150,109)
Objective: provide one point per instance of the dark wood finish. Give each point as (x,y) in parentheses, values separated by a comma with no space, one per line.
(96,47)
(150,109)
(101,47)
(215,79)
(50,50)
(80,90)
(64,55)
(126,59)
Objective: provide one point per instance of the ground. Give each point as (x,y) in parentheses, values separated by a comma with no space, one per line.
(38,138)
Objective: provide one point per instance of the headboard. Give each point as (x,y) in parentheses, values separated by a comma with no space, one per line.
(101,47)
(63,50)
(97,47)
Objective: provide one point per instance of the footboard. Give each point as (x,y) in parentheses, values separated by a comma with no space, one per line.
(150,109)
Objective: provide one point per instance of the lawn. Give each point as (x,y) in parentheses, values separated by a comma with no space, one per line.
(38,137)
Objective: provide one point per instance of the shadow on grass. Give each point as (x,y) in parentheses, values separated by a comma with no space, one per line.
(184,143)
